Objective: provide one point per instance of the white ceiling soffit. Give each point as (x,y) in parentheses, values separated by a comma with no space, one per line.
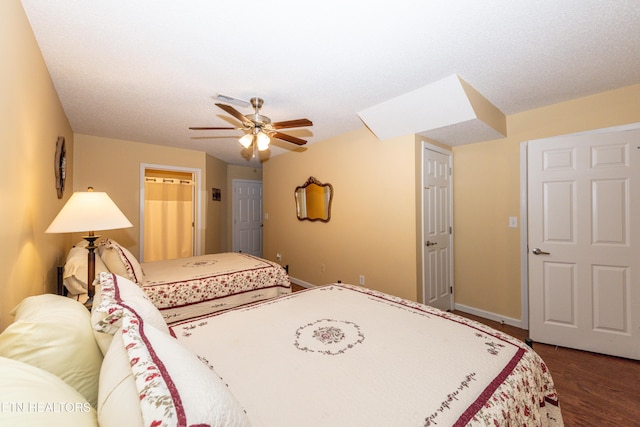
(449,111)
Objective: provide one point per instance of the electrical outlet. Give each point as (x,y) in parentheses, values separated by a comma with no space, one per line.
(279,256)
(322,268)
(361,280)
(513,221)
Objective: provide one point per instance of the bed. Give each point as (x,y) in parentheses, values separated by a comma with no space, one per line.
(343,355)
(336,355)
(186,287)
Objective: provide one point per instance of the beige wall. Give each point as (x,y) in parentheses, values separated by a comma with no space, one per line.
(487,192)
(216,224)
(31,120)
(372,230)
(113,166)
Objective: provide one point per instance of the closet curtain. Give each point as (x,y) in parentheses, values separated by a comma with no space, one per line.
(168,218)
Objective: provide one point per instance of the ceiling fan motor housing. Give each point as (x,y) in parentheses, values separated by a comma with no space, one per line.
(258,119)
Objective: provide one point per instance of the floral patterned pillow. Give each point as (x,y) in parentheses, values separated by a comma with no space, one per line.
(174,386)
(114,295)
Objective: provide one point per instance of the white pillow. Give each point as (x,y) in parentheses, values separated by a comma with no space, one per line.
(174,386)
(114,294)
(54,333)
(120,261)
(31,396)
(75,270)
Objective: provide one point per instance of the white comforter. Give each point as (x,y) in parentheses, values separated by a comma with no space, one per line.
(340,355)
(185,288)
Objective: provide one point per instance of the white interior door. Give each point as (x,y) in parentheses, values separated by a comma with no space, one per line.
(584,213)
(437,260)
(247,217)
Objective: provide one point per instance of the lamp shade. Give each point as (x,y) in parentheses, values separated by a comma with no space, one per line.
(88,211)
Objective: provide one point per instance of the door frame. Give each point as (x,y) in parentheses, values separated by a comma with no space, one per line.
(524,212)
(197,229)
(449,153)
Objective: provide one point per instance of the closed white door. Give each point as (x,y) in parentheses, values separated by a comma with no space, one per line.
(247,217)
(584,248)
(437,260)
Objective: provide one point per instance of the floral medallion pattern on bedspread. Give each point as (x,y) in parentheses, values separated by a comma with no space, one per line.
(374,359)
(179,283)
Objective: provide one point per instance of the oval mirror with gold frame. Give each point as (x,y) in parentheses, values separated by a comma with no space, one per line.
(313,201)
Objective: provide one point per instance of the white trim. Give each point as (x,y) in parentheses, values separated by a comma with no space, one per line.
(619,128)
(197,231)
(301,282)
(524,236)
(489,315)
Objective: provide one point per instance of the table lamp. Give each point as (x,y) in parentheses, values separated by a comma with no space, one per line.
(89,211)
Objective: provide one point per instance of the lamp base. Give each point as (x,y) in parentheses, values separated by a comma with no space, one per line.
(91,267)
(89,303)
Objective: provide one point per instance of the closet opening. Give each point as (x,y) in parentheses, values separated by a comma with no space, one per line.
(169,213)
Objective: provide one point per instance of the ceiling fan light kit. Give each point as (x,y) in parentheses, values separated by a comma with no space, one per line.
(258,128)
(263,141)
(246,140)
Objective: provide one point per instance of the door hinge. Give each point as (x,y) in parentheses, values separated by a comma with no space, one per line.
(450,230)
(450,289)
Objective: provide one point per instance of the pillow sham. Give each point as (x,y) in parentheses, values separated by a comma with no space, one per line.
(118,400)
(174,387)
(75,270)
(31,396)
(114,295)
(120,261)
(54,333)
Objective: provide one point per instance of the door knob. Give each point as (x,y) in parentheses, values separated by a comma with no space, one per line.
(537,251)
(431,243)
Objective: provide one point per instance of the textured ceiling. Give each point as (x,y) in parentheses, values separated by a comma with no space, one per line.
(146,70)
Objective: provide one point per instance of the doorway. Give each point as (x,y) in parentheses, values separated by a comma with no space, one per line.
(168,212)
(247,217)
(583,237)
(437,231)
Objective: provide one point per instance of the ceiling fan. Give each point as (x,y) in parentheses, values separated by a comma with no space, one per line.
(258,128)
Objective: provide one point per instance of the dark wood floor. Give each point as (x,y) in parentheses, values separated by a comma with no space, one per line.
(594,389)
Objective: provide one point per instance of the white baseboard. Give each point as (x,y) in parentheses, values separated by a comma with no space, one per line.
(301,282)
(489,315)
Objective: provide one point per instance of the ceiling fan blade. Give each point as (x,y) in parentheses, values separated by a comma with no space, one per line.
(211,128)
(292,124)
(235,113)
(288,138)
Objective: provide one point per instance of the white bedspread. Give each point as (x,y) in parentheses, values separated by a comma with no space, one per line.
(340,355)
(185,288)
